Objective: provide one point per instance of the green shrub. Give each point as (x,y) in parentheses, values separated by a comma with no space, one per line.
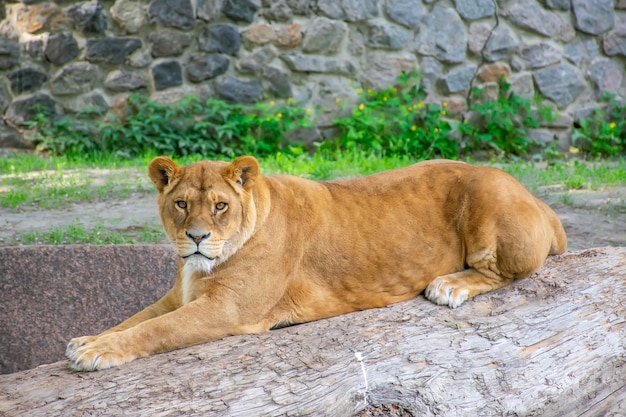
(189,127)
(501,126)
(397,121)
(602,134)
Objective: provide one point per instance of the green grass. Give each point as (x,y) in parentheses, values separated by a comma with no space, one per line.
(98,235)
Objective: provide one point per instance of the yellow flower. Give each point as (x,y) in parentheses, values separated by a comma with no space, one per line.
(436,130)
(289,100)
(361,106)
(308,111)
(420,105)
(279,115)
(464,121)
(612,125)
(413,128)
(272,103)
(573,150)
(443,112)
(369,91)
(409,108)
(444,104)
(384,98)
(359,90)
(337,100)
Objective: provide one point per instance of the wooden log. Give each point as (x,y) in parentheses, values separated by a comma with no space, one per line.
(552,344)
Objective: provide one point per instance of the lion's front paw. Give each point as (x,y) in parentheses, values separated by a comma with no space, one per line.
(93,353)
(444,291)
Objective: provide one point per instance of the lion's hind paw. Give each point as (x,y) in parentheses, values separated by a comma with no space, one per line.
(444,291)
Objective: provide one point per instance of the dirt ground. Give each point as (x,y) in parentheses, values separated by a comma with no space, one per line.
(592,218)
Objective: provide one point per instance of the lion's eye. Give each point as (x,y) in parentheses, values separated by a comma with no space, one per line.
(181,204)
(220,206)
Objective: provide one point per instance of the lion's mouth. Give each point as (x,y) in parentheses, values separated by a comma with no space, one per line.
(198,253)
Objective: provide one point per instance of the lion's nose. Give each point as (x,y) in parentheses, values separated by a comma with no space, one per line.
(198,237)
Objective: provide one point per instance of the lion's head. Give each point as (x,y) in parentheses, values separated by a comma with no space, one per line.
(207,208)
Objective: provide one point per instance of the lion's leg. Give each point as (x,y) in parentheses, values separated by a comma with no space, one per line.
(200,321)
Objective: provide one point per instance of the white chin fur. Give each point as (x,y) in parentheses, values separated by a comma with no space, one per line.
(197,263)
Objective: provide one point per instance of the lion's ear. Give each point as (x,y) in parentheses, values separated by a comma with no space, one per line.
(244,171)
(161,170)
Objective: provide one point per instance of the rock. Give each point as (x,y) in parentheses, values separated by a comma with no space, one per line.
(582,51)
(385,69)
(87,17)
(349,10)
(529,15)
(329,89)
(139,59)
(593,17)
(380,34)
(255,61)
(278,11)
(23,110)
(301,7)
(45,16)
(5,98)
(324,36)
(204,67)
(166,74)
(502,43)
(430,71)
(557,4)
(475,9)
(209,9)
(289,37)
(241,10)
(34,48)
(459,79)
(130,15)
(522,85)
(308,63)
(408,13)
(220,38)
(169,42)
(443,36)
(11,138)
(111,50)
(259,34)
(561,83)
(26,79)
(61,48)
(540,55)
(606,74)
(279,81)
(613,42)
(493,72)
(125,80)
(478,33)
(76,78)
(176,94)
(172,13)
(233,90)
(93,101)
(9,53)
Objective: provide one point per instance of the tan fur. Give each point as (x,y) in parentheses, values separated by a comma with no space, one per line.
(287,250)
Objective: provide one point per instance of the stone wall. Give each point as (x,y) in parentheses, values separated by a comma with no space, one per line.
(68,55)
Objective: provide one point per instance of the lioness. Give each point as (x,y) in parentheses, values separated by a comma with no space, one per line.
(258,252)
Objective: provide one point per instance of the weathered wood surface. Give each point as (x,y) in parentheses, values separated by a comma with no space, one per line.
(552,344)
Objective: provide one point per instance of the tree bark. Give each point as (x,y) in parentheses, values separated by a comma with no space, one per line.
(551,344)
